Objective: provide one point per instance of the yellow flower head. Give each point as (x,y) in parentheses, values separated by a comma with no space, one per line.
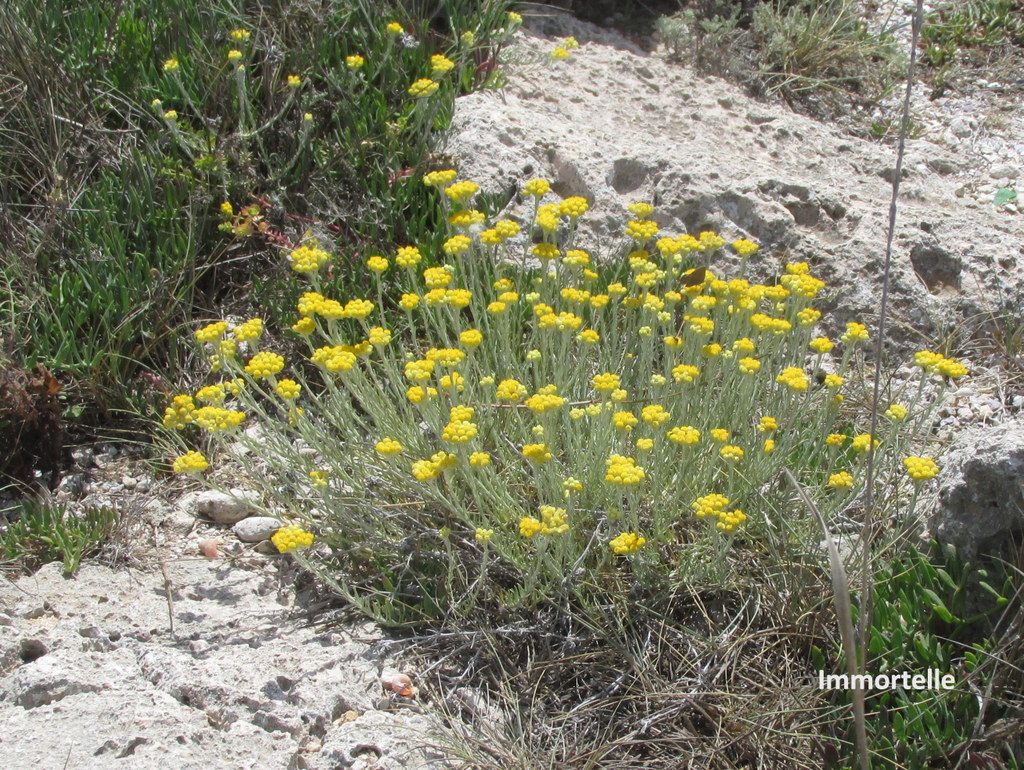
(423,88)
(896,412)
(573,207)
(794,377)
(731,452)
(190,462)
(440,64)
(288,389)
(624,420)
(623,471)
(862,442)
(537,453)
(264,365)
(744,248)
(841,480)
(921,468)
(408,256)
(460,192)
(685,435)
(626,543)
(655,415)
(685,373)
(855,332)
(821,345)
(291,538)
(537,187)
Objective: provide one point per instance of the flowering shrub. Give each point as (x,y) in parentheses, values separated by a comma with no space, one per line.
(531,421)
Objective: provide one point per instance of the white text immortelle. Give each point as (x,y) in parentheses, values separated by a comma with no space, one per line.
(932,680)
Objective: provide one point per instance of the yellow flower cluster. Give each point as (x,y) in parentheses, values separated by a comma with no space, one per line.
(439,64)
(623,471)
(214,419)
(537,453)
(684,434)
(355,61)
(713,505)
(545,400)
(190,462)
(291,538)
(821,345)
(288,389)
(511,390)
(440,178)
(863,442)
(212,333)
(423,88)
(685,373)
(425,470)
(896,412)
(388,446)
(731,452)
(855,332)
(212,394)
(655,415)
(744,248)
(921,468)
(794,377)
(308,258)
(459,432)
(460,192)
(264,365)
(552,522)
(841,480)
(626,543)
(338,358)
(624,420)
(248,331)
(180,413)
(573,207)
(936,363)
(641,231)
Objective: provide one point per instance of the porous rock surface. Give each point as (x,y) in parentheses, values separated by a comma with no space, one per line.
(92,677)
(981,495)
(615,125)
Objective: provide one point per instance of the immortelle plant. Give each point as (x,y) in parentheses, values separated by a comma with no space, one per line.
(524,422)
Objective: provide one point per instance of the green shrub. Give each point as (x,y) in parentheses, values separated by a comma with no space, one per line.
(815,55)
(537,425)
(934,613)
(131,122)
(972,24)
(44,531)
